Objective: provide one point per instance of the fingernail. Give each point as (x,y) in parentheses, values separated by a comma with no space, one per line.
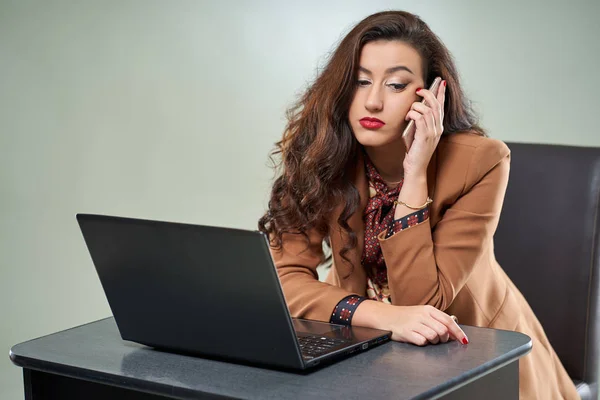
(419,89)
(444,83)
(465,341)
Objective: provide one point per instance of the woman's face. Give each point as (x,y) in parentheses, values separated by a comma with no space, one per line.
(389,74)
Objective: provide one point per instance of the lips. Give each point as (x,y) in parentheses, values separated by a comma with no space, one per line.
(371,123)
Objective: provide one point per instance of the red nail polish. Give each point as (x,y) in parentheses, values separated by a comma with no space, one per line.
(465,341)
(419,89)
(444,83)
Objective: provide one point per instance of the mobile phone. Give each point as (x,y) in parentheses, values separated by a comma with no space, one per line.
(409,132)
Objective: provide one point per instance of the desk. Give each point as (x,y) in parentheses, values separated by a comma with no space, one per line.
(92,362)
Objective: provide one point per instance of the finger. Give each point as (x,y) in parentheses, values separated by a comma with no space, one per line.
(429,334)
(416,338)
(440,92)
(441,97)
(428,96)
(439,328)
(420,121)
(436,109)
(456,333)
(431,117)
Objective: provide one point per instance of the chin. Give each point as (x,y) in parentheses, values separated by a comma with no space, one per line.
(369,138)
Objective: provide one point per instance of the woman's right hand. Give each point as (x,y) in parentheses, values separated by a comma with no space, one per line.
(418,325)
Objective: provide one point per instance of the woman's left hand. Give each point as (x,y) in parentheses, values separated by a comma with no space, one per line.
(429,128)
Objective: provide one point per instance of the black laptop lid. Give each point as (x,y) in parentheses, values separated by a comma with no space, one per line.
(190,288)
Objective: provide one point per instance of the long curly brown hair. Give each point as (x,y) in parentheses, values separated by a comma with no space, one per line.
(318,149)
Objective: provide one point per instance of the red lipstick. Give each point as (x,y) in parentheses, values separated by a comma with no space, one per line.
(371,123)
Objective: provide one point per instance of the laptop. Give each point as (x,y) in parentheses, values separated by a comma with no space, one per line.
(208,291)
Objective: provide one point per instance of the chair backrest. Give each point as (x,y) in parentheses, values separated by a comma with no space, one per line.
(547,242)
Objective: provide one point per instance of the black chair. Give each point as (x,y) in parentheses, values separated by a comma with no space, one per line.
(548,243)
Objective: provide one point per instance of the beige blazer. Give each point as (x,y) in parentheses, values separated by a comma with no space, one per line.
(447,262)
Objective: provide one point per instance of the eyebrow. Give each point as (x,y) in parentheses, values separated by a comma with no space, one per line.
(389,70)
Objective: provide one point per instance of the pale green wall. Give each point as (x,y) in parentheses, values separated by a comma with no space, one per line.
(167,109)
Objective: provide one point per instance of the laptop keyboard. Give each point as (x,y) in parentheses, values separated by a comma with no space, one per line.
(315,346)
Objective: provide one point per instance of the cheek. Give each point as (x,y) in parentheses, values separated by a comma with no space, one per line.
(397,109)
(401,105)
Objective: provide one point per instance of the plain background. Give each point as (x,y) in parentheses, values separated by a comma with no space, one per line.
(168,109)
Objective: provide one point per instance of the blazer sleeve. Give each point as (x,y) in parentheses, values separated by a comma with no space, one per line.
(297,261)
(426,267)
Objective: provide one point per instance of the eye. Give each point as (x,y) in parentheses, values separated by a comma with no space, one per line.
(362,82)
(397,86)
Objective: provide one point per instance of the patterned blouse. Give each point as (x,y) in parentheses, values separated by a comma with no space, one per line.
(378,217)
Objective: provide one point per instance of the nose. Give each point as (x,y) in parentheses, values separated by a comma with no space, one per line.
(374,100)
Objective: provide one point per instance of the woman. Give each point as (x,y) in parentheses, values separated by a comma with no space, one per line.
(411,230)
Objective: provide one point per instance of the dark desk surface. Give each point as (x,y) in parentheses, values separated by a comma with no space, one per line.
(96,352)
